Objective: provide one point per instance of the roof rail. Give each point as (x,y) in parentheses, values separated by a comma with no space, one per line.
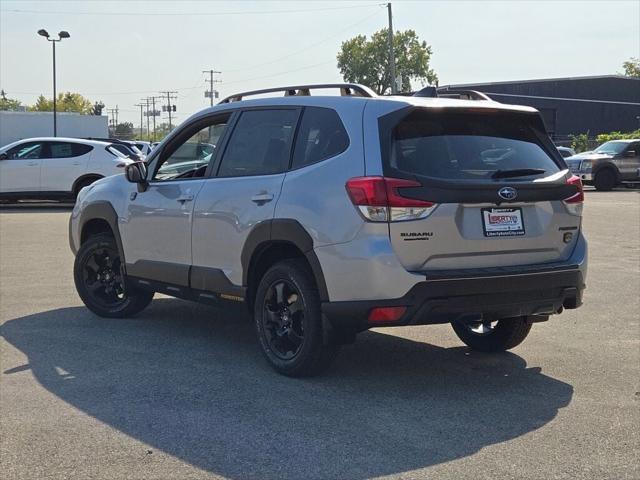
(446,92)
(346,90)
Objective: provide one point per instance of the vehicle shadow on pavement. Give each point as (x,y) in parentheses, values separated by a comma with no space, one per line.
(189,380)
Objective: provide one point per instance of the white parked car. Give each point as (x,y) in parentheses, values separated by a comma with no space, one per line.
(54,167)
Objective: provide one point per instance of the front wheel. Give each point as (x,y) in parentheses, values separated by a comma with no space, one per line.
(498,336)
(605,180)
(289,322)
(99,281)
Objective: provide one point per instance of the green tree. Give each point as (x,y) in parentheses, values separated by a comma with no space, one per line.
(366,61)
(66,102)
(9,103)
(605,137)
(632,67)
(124,130)
(162,130)
(580,142)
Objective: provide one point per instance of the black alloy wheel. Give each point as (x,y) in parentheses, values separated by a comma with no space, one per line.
(102,275)
(289,322)
(283,318)
(100,281)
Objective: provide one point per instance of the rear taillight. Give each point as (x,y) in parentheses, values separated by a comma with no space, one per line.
(379,200)
(578,197)
(575,201)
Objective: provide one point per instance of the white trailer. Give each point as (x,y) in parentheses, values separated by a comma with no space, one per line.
(18,125)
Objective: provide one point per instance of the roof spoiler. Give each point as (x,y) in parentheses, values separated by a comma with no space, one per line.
(346,90)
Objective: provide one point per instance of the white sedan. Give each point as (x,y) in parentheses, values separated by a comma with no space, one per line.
(55,167)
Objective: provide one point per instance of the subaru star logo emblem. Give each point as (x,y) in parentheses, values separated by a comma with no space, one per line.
(508,193)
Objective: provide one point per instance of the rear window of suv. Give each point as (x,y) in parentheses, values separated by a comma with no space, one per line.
(467,145)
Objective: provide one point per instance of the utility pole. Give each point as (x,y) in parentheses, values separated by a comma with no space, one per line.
(113,113)
(153,112)
(210,92)
(141,105)
(146,107)
(392,59)
(170,96)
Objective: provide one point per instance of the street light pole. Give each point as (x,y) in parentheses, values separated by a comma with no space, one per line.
(55,108)
(392,59)
(63,34)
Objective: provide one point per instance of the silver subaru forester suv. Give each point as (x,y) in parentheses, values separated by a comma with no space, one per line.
(328,215)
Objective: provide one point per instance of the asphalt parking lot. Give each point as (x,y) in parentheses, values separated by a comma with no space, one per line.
(182,392)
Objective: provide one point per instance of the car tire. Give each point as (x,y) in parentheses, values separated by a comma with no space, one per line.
(288,321)
(494,336)
(100,282)
(605,180)
(83,183)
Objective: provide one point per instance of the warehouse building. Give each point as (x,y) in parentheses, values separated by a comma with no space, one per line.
(597,104)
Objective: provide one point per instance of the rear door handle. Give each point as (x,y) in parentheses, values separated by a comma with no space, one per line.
(262,198)
(185,198)
(33,164)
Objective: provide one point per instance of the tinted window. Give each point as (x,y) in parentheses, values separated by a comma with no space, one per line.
(191,157)
(67,150)
(123,149)
(565,153)
(321,136)
(468,145)
(259,144)
(27,150)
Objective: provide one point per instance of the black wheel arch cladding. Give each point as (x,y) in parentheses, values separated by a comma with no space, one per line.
(104,211)
(284,231)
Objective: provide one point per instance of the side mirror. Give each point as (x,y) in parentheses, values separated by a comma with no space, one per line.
(630,153)
(136,172)
(3,156)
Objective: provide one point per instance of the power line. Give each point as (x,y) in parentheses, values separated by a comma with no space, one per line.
(211,14)
(279,73)
(333,35)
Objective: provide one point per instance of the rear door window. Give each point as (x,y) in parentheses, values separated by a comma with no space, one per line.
(260,143)
(321,135)
(68,149)
(468,145)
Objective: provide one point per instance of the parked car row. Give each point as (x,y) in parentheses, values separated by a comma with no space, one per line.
(56,167)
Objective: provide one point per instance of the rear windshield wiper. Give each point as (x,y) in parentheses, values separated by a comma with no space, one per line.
(517,172)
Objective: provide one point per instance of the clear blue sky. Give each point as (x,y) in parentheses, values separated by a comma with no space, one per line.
(121,51)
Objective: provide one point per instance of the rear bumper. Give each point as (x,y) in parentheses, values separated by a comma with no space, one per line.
(455,295)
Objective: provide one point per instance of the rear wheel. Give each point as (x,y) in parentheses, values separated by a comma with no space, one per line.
(605,180)
(100,283)
(495,336)
(83,183)
(289,322)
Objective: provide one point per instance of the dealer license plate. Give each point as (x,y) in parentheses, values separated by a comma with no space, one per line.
(502,222)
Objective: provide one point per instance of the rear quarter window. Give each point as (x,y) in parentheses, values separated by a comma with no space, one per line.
(321,135)
(467,145)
